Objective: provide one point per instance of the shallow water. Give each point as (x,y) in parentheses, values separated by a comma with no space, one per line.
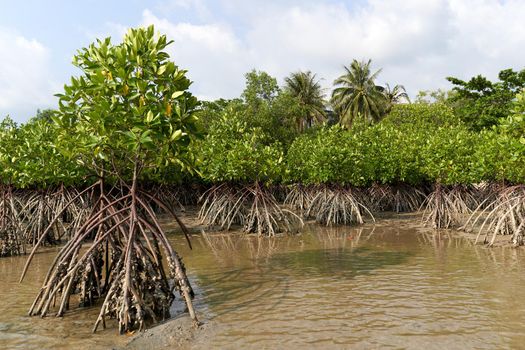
(388,285)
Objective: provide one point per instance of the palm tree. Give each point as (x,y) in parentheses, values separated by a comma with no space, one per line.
(395,95)
(306,88)
(356,95)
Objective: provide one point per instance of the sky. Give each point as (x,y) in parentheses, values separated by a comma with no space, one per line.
(415,43)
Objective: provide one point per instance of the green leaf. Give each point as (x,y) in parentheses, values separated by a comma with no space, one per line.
(177,134)
(149,117)
(161,70)
(177,94)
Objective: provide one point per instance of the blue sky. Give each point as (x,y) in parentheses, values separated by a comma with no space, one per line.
(416,43)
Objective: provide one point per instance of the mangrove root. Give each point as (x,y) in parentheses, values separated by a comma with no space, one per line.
(124,266)
(338,205)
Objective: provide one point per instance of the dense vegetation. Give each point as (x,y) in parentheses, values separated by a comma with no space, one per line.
(126,118)
(128,140)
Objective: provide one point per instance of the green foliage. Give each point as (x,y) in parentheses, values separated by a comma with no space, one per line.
(46,114)
(421,116)
(263,106)
(29,155)
(449,157)
(40,163)
(211,111)
(129,109)
(306,89)
(9,151)
(481,103)
(358,157)
(331,155)
(393,154)
(279,121)
(235,151)
(514,124)
(415,144)
(260,88)
(500,157)
(357,96)
(501,153)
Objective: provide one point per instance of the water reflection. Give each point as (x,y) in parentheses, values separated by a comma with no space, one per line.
(391,285)
(229,248)
(336,262)
(395,286)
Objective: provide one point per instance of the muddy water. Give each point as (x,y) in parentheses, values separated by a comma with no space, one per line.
(388,285)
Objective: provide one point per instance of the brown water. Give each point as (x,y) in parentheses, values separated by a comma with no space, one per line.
(387,285)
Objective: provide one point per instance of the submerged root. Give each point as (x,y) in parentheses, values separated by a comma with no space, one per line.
(505,215)
(265,216)
(447,207)
(439,211)
(338,205)
(398,198)
(10,230)
(253,207)
(123,266)
(223,206)
(299,198)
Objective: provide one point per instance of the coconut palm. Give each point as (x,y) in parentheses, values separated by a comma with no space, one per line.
(356,95)
(395,95)
(306,88)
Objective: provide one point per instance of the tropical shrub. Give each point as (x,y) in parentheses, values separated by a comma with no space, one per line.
(449,156)
(421,116)
(235,152)
(129,111)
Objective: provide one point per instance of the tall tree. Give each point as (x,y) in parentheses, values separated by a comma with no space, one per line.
(305,87)
(481,103)
(395,95)
(264,105)
(356,95)
(260,88)
(130,112)
(44,114)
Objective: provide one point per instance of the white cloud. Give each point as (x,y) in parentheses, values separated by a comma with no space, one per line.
(115,31)
(25,80)
(199,7)
(417,43)
(212,53)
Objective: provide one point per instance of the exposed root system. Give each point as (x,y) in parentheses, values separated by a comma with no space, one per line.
(254,207)
(398,198)
(10,230)
(265,216)
(439,210)
(299,198)
(123,267)
(504,215)
(170,195)
(223,206)
(338,205)
(446,207)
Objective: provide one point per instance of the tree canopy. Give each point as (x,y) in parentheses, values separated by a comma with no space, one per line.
(481,103)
